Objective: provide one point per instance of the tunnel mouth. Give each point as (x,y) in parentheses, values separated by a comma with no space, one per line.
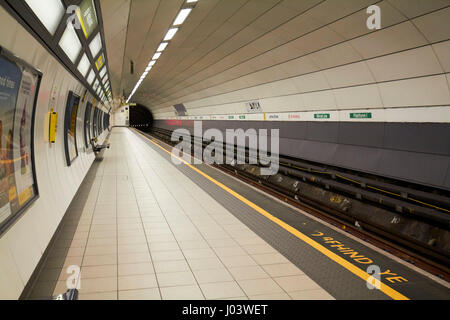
(141,118)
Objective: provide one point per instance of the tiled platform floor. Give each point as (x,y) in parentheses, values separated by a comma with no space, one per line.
(140,229)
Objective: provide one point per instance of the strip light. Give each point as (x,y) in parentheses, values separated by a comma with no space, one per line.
(170,34)
(179,20)
(156,56)
(182,16)
(162,47)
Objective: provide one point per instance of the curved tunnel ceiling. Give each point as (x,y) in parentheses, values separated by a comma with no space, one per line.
(319,51)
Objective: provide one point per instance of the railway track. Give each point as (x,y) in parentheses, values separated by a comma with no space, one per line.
(356,219)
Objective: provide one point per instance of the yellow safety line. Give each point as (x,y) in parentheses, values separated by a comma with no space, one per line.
(339,260)
(429,205)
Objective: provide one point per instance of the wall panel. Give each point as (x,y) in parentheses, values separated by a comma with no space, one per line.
(22,246)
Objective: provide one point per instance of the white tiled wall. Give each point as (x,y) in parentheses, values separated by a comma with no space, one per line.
(23,244)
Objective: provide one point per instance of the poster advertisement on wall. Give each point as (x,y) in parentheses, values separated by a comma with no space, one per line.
(95,123)
(23,170)
(87,121)
(70,128)
(19,85)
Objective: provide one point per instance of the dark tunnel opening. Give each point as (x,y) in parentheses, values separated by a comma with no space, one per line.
(141,118)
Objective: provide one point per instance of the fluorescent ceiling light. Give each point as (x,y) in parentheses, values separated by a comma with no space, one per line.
(191,1)
(96,45)
(152,63)
(91,77)
(103,72)
(162,47)
(70,43)
(145,74)
(156,56)
(105,79)
(170,34)
(49,12)
(182,16)
(98,90)
(96,83)
(84,65)
(148,69)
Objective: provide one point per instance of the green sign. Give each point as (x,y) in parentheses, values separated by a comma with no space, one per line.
(88,17)
(361,115)
(231,117)
(322,116)
(242,117)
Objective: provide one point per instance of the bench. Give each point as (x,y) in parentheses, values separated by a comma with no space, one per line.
(99,149)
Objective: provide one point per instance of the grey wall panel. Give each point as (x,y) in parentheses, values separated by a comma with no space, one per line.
(358,158)
(323,131)
(291,130)
(365,147)
(308,150)
(419,137)
(361,134)
(447,178)
(416,167)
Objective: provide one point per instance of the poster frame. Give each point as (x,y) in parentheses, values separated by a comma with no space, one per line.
(94,123)
(71,98)
(11,220)
(87,119)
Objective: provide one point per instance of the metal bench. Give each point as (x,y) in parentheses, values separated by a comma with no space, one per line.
(99,149)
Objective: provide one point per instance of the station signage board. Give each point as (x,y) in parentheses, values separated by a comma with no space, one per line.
(361,115)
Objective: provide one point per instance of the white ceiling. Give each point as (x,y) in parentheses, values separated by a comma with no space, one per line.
(228,45)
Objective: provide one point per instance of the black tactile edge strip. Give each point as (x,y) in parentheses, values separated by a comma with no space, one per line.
(333,278)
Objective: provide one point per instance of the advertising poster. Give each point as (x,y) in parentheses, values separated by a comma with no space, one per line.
(94,123)
(10,76)
(71,127)
(23,170)
(88,17)
(87,118)
(18,89)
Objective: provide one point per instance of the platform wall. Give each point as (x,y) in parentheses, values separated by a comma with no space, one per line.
(24,243)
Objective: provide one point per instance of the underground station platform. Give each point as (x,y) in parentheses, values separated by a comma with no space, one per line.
(223,159)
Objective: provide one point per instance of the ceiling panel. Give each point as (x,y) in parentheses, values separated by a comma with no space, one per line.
(233,49)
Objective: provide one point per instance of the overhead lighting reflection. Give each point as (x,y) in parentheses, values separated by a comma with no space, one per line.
(182,16)
(162,47)
(179,20)
(170,34)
